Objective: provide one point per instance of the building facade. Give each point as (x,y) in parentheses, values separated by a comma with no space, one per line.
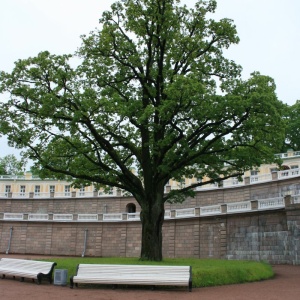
(29,186)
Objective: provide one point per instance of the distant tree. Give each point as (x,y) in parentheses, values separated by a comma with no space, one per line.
(292,135)
(2,169)
(10,165)
(153,91)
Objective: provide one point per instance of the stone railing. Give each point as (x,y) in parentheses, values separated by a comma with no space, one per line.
(289,154)
(295,199)
(271,203)
(204,211)
(260,178)
(254,179)
(211,210)
(239,207)
(87,217)
(288,173)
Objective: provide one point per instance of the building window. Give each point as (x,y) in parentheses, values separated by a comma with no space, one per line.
(67,190)
(106,191)
(182,183)
(52,188)
(37,190)
(254,172)
(22,190)
(82,191)
(7,190)
(130,208)
(294,170)
(235,180)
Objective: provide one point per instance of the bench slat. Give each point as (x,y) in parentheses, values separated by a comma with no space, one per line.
(133,274)
(27,268)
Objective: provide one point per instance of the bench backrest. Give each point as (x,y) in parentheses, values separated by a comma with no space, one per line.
(24,264)
(143,270)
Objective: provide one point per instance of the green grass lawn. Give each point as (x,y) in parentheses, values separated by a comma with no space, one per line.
(205,272)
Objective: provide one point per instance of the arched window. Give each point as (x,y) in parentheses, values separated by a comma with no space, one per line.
(130,208)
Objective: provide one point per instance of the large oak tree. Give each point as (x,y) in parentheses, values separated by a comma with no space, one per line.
(151,90)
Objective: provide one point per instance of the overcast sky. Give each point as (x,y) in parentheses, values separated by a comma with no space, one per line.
(269,31)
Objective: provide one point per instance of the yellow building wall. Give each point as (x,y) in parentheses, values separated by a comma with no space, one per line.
(290,159)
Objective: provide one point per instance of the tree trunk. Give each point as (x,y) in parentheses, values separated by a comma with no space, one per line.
(152,217)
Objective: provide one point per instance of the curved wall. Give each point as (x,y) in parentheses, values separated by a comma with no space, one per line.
(270,234)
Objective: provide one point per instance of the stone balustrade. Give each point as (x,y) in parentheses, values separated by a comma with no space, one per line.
(210,210)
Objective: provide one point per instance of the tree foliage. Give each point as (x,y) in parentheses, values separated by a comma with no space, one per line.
(10,165)
(153,91)
(292,135)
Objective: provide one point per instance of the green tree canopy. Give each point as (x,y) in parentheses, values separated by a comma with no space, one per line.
(153,91)
(292,118)
(10,165)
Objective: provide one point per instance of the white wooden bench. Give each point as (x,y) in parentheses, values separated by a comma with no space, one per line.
(133,275)
(24,268)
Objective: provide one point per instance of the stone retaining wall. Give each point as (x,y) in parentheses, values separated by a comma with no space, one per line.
(271,235)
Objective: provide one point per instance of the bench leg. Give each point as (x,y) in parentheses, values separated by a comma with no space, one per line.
(3,276)
(39,278)
(71,283)
(22,279)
